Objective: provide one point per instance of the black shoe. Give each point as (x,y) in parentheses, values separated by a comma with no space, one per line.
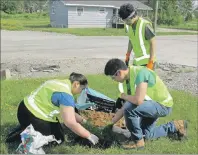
(14,135)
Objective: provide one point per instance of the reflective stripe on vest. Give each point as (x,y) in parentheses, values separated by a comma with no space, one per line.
(126,28)
(145,55)
(141,46)
(168,99)
(31,99)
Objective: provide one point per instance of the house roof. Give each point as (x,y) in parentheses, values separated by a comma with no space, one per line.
(105,3)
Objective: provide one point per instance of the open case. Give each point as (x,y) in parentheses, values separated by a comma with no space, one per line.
(90,99)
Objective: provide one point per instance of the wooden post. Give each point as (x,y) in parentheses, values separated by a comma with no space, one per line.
(156,11)
(116,15)
(5,74)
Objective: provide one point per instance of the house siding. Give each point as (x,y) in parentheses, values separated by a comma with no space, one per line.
(90,18)
(58,17)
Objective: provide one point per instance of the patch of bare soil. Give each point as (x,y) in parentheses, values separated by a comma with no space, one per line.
(100,119)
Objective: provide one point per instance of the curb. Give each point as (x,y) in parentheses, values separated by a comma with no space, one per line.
(5,74)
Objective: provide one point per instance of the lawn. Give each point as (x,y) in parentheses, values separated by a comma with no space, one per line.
(13,91)
(191,25)
(41,22)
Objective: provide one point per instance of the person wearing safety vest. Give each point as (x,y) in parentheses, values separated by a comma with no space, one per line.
(42,107)
(141,37)
(145,105)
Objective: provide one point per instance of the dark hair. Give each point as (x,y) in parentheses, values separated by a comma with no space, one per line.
(125,10)
(113,65)
(78,77)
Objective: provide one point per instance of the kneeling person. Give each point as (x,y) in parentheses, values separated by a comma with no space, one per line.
(149,101)
(52,98)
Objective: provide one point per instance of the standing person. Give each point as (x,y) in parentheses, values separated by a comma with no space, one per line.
(52,98)
(150,101)
(141,37)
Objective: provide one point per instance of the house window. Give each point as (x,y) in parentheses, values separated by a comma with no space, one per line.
(80,10)
(102,10)
(53,10)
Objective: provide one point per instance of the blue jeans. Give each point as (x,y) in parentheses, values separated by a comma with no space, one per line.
(141,120)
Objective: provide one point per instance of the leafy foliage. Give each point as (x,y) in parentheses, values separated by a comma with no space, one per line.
(169,13)
(20,6)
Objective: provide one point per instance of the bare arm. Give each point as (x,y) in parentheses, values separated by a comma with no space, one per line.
(79,118)
(137,100)
(129,47)
(68,115)
(118,115)
(152,48)
(139,94)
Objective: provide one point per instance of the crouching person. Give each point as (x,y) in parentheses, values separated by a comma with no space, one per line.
(149,100)
(52,98)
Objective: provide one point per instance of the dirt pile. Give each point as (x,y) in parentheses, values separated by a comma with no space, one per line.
(100,119)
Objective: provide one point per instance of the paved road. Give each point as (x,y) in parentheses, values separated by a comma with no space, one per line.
(29,46)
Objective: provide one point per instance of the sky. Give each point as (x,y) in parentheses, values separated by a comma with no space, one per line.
(195,3)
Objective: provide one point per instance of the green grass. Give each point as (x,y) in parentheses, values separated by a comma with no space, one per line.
(41,22)
(185,107)
(191,25)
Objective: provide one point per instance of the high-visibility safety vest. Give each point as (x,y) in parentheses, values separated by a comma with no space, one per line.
(141,46)
(39,101)
(158,92)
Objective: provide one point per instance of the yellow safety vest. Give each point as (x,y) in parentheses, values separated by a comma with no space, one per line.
(39,101)
(141,46)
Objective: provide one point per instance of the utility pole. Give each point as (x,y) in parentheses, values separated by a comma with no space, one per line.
(156,11)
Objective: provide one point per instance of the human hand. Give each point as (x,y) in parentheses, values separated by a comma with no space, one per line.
(123,96)
(93,139)
(127,57)
(84,121)
(150,64)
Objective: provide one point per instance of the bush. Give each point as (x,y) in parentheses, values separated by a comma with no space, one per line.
(195,13)
(170,18)
(189,17)
(26,16)
(4,15)
(177,20)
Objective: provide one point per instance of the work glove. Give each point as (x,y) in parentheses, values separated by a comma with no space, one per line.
(150,64)
(93,139)
(84,121)
(127,57)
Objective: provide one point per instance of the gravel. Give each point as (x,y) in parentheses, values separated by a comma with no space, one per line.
(177,77)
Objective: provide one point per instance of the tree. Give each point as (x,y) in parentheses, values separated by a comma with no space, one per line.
(34,5)
(9,6)
(195,12)
(169,13)
(186,8)
(151,3)
(18,6)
